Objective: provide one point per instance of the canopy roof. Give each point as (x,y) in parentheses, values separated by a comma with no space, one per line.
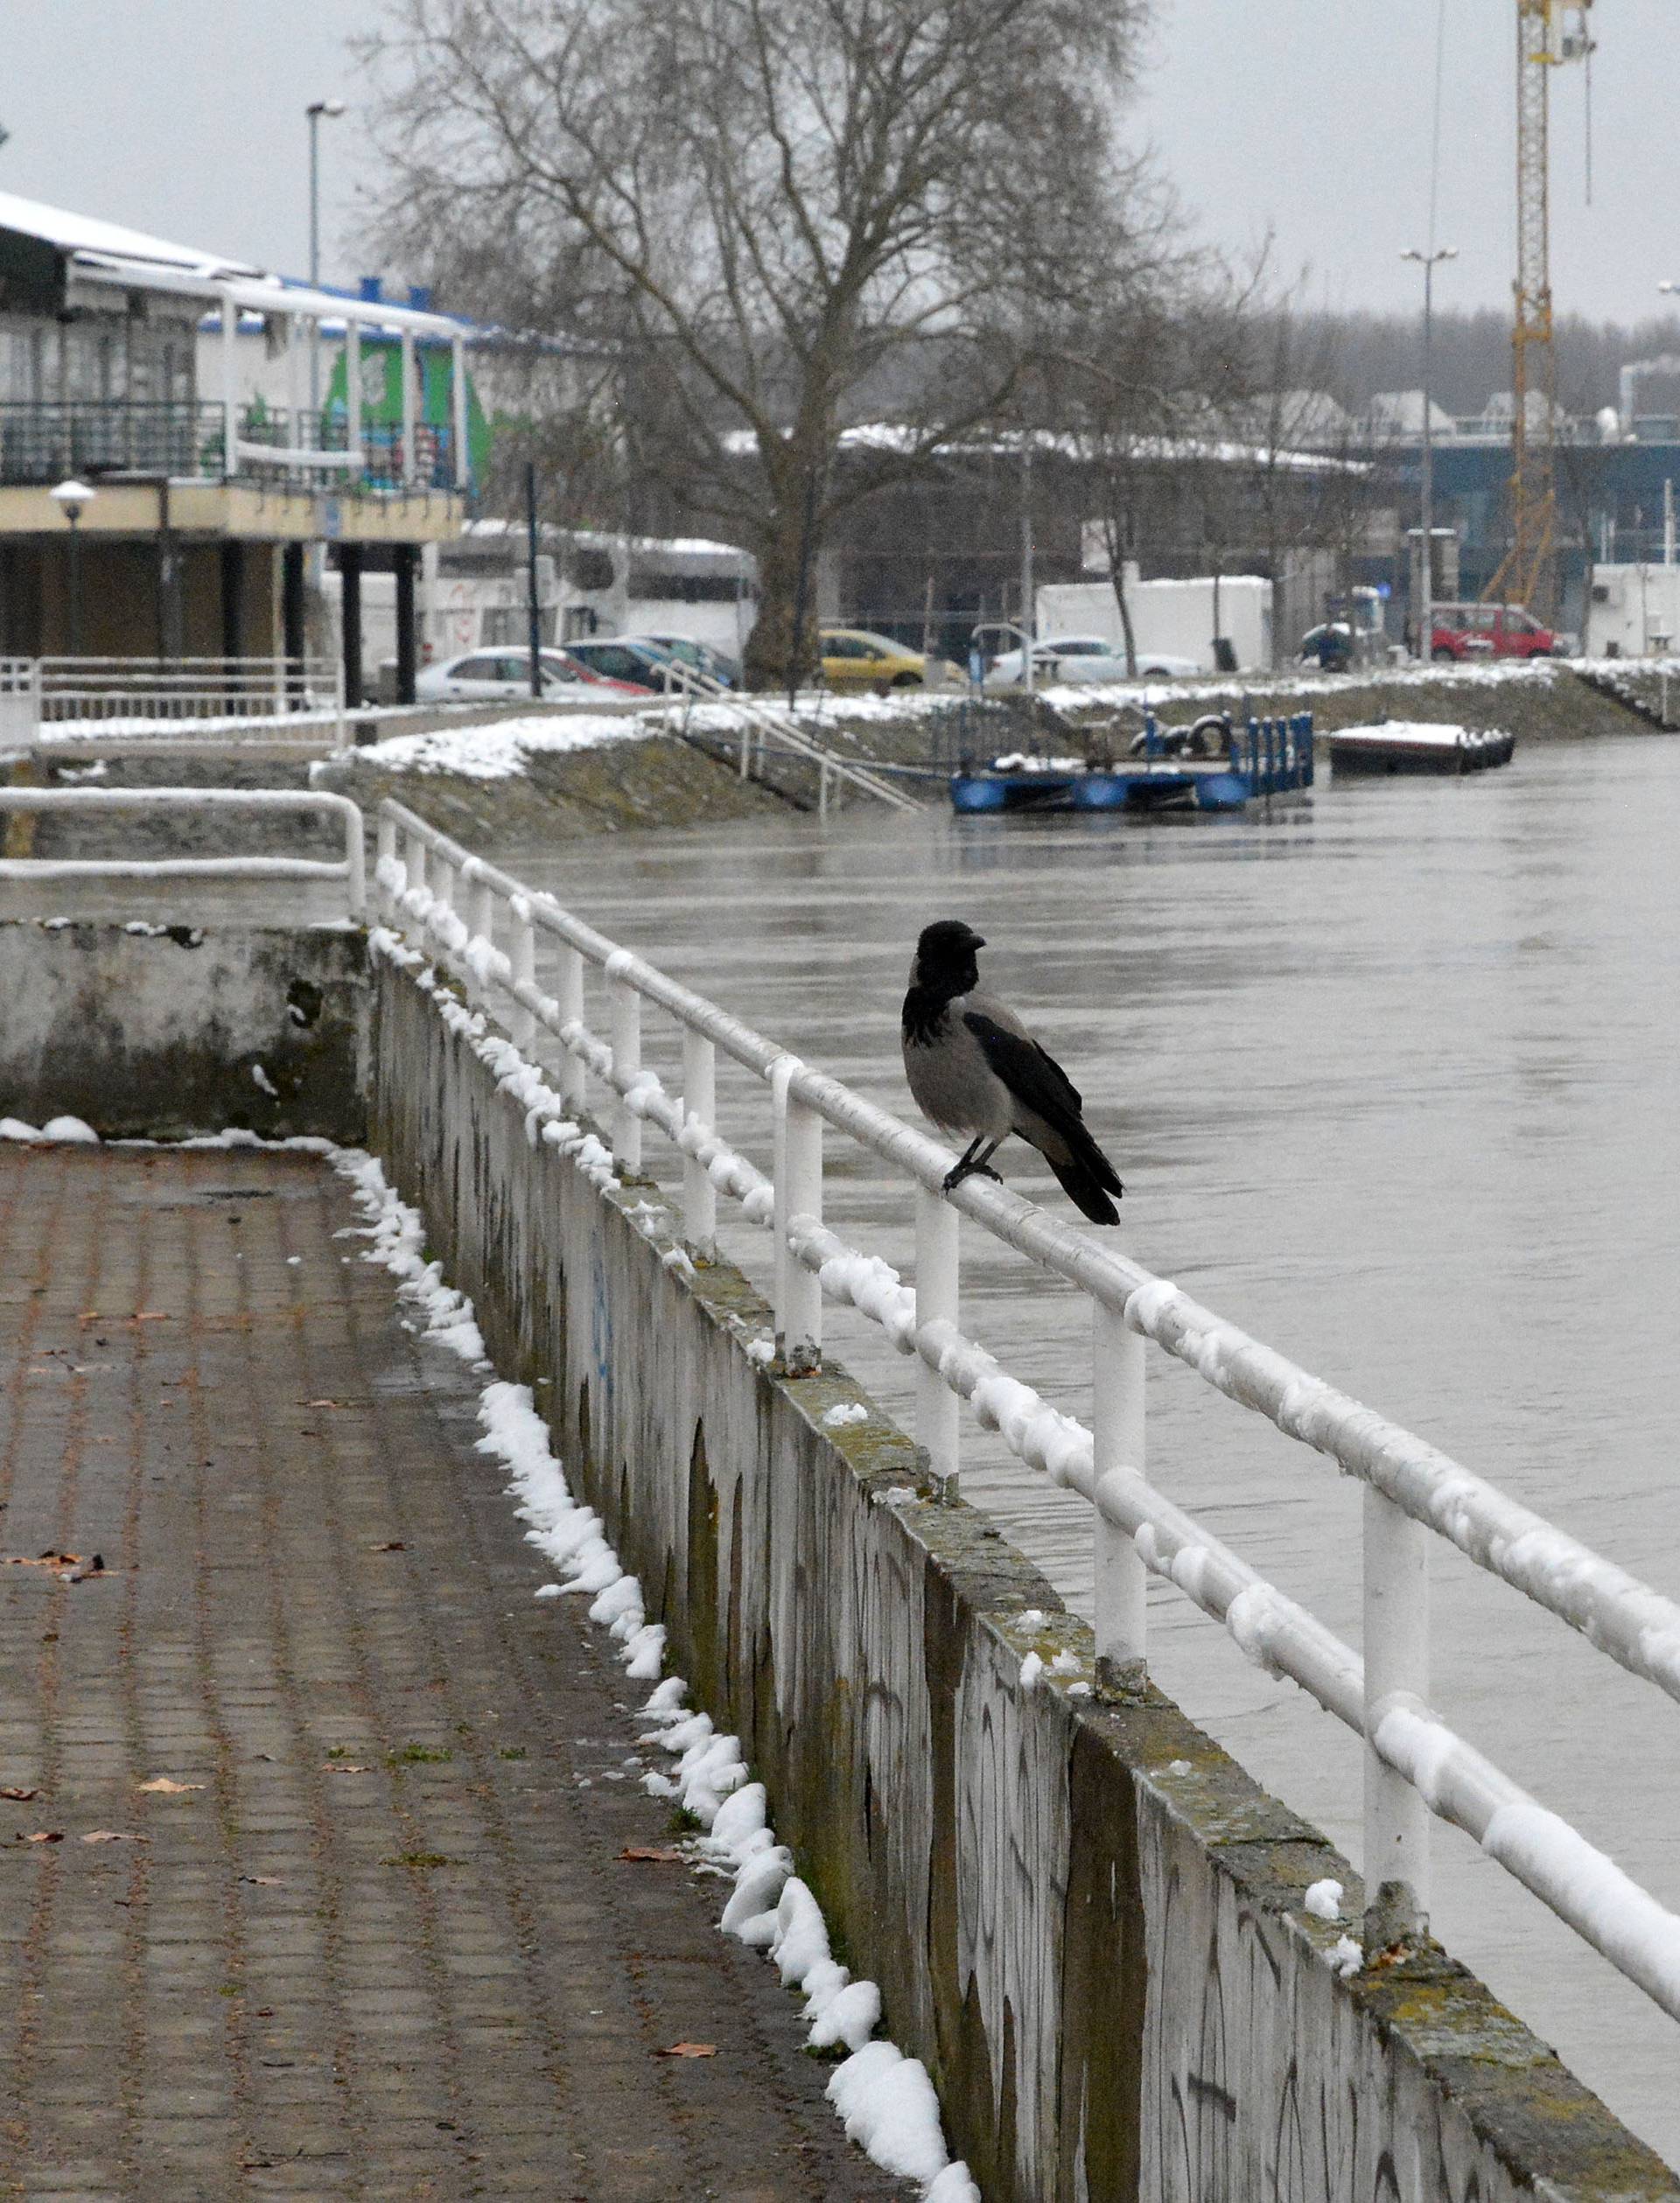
(101,252)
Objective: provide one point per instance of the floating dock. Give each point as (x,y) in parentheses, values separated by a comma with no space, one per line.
(1413,747)
(1210,766)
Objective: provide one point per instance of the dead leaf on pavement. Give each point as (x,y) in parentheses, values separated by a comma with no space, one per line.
(655,1854)
(263,1881)
(69,1568)
(113,1835)
(691,2049)
(391,1545)
(20,1795)
(42,1835)
(161,1783)
(326,1403)
(345,1766)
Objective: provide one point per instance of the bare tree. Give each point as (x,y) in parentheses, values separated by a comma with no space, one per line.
(768,204)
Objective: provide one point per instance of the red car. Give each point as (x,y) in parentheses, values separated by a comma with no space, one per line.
(1491,631)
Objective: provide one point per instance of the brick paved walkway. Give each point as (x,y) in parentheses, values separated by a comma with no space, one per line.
(381,1942)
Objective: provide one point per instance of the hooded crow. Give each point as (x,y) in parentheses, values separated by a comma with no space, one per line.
(974,1069)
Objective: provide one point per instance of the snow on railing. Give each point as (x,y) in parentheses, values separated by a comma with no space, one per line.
(349,870)
(464,910)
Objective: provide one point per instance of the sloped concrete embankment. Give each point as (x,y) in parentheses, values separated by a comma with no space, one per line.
(1085,1917)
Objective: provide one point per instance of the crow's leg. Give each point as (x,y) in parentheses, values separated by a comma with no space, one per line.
(975,1162)
(964,1164)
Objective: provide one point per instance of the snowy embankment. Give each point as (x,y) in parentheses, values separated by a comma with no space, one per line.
(503,748)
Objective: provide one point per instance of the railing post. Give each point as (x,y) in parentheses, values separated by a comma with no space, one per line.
(441,879)
(574,1091)
(521,1021)
(938,1410)
(1117,1442)
(385,847)
(626,1061)
(799,1193)
(480,925)
(1397,1666)
(699,1107)
(355,867)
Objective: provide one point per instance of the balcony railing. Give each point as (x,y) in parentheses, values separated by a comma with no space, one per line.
(45,443)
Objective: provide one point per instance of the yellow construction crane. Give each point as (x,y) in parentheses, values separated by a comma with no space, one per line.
(1549,33)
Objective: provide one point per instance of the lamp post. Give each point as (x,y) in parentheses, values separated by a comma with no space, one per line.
(1425,613)
(314,111)
(71,498)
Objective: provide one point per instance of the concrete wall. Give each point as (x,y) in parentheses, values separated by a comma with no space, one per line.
(1082,1915)
(161,1031)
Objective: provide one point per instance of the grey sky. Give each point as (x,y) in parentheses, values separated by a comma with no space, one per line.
(1309,117)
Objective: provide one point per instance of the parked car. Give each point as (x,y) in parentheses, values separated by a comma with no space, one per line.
(1492,630)
(504,675)
(853,658)
(714,664)
(631,658)
(1088,658)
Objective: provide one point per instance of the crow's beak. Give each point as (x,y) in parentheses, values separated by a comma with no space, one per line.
(977,941)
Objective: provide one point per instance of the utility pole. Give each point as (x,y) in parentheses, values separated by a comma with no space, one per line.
(534,630)
(1029,622)
(1424,610)
(314,111)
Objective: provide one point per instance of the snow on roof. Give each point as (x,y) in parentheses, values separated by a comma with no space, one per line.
(83,234)
(106,252)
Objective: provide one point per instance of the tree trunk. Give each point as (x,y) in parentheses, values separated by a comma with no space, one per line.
(782,651)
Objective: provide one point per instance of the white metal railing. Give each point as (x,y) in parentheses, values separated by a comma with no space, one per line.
(464,910)
(80,695)
(349,870)
(764,726)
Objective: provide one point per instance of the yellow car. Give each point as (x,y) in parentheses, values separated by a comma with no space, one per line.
(852,658)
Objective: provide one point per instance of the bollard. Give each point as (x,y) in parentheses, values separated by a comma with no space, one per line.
(938,1291)
(699,1107)
(1117,1442)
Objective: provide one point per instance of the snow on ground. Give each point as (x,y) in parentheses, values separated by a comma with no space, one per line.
(502,748)
(886,2099)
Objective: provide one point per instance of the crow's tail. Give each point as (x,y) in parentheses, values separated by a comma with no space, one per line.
(1087,1179)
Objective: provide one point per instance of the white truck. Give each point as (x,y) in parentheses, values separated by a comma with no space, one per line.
(1174,619)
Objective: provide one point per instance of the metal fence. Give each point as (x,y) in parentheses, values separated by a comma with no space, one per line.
(185,439)
(482,926)
(274,697)
(349,869)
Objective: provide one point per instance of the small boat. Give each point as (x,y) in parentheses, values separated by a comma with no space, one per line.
(1209,767)
(1417,746)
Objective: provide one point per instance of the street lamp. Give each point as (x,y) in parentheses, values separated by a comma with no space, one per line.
(71,498)
(1426,616)
(314,111)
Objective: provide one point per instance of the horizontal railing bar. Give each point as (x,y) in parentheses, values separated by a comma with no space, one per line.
(173,868)
(26,799)
(1631,1622)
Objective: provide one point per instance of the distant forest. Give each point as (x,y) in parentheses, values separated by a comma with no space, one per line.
(1355,355)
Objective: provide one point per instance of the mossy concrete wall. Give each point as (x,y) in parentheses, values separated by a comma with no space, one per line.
(157,1032)
(1083,1915)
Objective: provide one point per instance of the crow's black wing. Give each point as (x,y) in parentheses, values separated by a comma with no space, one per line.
(1031,1076)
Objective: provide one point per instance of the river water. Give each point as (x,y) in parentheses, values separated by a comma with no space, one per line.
(1391,1080)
